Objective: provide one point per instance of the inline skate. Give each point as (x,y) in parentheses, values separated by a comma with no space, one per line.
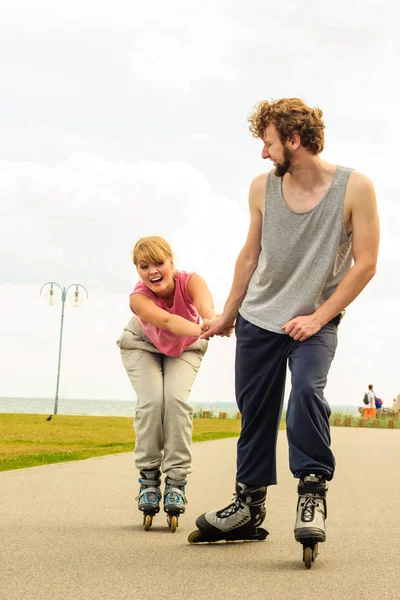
(149,496)
(174,501)
(309,529)
(239,521)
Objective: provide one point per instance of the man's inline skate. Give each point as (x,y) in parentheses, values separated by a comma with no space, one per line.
(240,521)
(309,529)
(174,501)
(149,496)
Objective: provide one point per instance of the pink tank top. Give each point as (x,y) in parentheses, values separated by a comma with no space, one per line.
(165,341)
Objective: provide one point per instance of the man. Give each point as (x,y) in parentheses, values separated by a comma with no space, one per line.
(370,409)
(293,279)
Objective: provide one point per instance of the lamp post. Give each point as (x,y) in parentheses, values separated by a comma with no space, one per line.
(76,301)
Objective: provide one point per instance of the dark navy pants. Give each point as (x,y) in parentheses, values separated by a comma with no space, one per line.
(261,363)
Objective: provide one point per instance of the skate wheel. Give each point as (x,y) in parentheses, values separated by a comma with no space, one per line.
(308,556)
(173,523)
(194,537)
(147,521)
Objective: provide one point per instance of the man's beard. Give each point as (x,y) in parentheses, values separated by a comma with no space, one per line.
(282,168)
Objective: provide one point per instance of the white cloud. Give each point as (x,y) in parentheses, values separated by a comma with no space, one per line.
(117,15)
(179,59)
(81,218)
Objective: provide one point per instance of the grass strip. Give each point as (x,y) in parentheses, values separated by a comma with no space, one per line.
(30,441)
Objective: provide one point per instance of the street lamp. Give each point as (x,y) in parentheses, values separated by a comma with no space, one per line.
(76,301)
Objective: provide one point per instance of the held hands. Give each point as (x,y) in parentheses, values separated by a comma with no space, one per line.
(220,325)
(301,328)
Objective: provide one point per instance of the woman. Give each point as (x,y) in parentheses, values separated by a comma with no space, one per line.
(161,352)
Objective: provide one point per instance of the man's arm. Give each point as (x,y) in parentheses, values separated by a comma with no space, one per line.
(246,262)
(365,227)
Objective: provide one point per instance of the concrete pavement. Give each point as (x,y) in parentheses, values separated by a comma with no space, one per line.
(72,531)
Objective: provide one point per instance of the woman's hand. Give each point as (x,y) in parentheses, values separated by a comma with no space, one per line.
(222,325)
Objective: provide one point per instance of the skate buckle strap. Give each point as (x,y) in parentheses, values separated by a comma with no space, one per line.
(149,490)
(246,496)
(174,495)
(315,486)
(311,491)
(175,482)
(149,482)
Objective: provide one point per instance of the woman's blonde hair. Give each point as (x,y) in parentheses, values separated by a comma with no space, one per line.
(152,249)
(290,116)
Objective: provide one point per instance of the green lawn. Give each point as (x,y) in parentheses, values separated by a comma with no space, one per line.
(30,440)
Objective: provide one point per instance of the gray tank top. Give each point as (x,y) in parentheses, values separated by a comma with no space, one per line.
(304,256)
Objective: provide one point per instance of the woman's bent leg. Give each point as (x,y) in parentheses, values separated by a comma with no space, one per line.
(145,372)
(179,375)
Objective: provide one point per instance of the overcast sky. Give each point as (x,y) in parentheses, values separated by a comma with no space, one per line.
(121,119)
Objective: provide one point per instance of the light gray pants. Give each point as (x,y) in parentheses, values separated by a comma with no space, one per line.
(163,418)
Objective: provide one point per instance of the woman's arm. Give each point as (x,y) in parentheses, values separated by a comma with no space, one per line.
(200,294)
(145,308)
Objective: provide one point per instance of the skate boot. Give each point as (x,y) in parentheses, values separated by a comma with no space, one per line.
(149,496)
(240,521)
(311,514)
(174,500)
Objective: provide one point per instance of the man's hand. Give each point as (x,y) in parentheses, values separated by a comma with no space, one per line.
(221,325)
(301,328)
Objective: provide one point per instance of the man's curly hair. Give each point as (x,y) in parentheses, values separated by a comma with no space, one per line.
(290,116)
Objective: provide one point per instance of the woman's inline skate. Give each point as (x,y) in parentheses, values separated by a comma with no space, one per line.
(149,496)
(174,501)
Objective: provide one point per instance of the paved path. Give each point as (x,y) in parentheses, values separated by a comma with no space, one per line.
(72,532)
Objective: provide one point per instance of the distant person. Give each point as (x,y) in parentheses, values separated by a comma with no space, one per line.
(309,222)
(378,405)
(395,404)
(161,352)
(370,409)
